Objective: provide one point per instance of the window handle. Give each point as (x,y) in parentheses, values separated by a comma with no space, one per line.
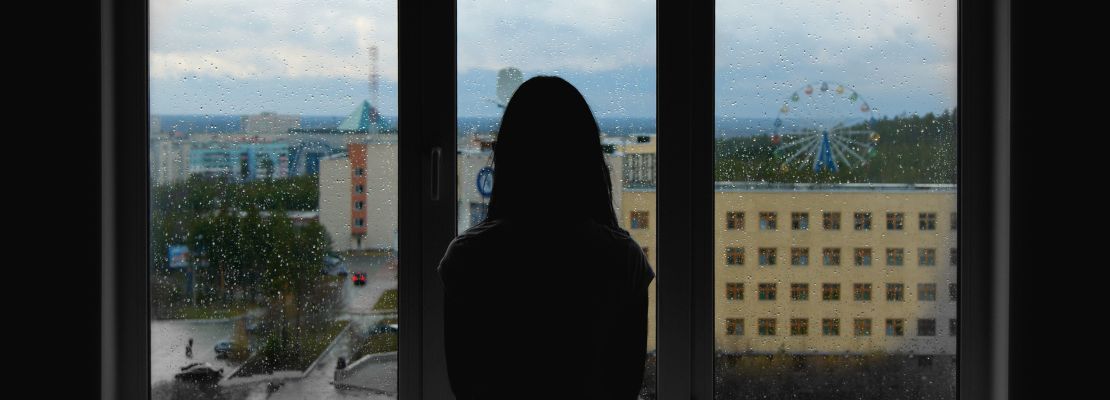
(437,153)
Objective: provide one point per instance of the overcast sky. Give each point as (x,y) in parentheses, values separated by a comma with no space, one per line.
(310,57)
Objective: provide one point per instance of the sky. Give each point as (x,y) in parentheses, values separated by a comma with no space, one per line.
(311,57)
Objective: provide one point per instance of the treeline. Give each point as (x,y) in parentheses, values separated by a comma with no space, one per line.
(910,149)
(199,194)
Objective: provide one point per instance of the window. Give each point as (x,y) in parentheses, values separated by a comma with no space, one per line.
(863,257)
(734,220)
(953,292)
(862,221)
(358,204)
(895,327)
(862,326)
(831,221)
(830,291)
(895,257)
(895,221)
(766,327)
(734,326)
(799,291)
(830,327)
(954,257)
(359,189)
(895,292)
(766,256)
(799,221)
(927,221)
(926,292)
(953,327)
(927,257)
(734,291)
(768,221)
(799,327)
(926,327)
(360,222)
(861,292)
(799,256)
(360,171)
(830,256)
(639,219)
(734,256)
(767,291)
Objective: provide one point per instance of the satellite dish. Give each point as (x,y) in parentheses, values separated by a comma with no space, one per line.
(508,80)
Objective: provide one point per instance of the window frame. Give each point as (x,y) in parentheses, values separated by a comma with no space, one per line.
(685,103)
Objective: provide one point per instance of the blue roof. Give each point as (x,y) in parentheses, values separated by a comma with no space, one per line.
(365,118)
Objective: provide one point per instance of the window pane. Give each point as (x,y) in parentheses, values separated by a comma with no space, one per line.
(606,50)
(841,111)
(273,149)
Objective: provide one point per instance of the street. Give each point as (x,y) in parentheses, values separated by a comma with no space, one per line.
(169,337)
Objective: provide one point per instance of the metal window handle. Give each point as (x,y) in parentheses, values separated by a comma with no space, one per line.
(437,152)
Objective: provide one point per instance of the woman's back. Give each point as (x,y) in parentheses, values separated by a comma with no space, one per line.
(545,309)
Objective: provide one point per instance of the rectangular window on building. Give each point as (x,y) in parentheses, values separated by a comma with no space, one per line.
(895,327)
(358,204)
(830,256)
(861,292)
(862,326)
(767,256)
(799,256)
(830,291)
(926,292)
(767,291)
(359,171)
(953,292)
(953,257)
(863,257)
(799,327)
(734,326)
(927,257)
(734,220)
(926,327)
(734,256)
(768,221)
(831,221)
(639,220)
(927,221)
(895,292)
(895,221)
(766,327)
(799,291)
(895,257)
(799,221)
(734,291)
(830,327)
(862,221)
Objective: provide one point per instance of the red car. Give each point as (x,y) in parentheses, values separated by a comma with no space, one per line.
(359,278)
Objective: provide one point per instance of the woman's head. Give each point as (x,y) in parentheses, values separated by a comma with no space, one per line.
(548,158)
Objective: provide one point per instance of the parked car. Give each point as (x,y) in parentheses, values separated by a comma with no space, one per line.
(200,372)
(222,348)
(380,328)
(359,278)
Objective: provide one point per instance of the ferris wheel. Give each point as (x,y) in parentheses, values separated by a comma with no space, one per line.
(827,125)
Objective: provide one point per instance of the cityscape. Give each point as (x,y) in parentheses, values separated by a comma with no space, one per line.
(273,183)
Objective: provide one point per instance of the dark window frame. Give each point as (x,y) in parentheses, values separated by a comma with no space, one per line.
(685,90)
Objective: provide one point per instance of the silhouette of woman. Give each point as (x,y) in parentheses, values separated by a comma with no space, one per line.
(547,298)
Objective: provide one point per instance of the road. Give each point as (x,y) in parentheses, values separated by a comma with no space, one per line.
(169,337)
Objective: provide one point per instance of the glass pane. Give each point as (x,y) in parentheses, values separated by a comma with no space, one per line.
(606,51)
(838,112)
(273,149)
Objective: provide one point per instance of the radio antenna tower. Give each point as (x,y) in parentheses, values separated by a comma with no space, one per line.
(373,76)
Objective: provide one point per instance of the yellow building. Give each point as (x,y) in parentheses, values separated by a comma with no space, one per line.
(822,269)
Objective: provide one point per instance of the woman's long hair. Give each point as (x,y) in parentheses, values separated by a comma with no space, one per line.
(548,161)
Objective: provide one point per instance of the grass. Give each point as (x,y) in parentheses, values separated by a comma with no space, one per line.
(312,344)
(388,301)
(195,311)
